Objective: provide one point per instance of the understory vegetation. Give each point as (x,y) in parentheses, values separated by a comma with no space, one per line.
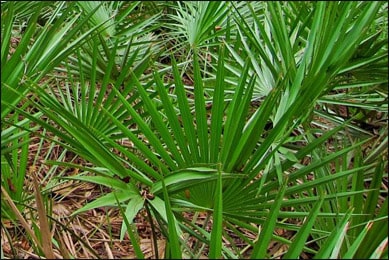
(188,130)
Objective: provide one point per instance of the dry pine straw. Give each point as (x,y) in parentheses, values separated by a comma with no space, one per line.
(99,228)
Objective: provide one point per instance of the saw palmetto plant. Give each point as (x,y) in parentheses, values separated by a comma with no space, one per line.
(238,130)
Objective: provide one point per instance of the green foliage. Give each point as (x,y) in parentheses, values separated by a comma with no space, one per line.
(206,148)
